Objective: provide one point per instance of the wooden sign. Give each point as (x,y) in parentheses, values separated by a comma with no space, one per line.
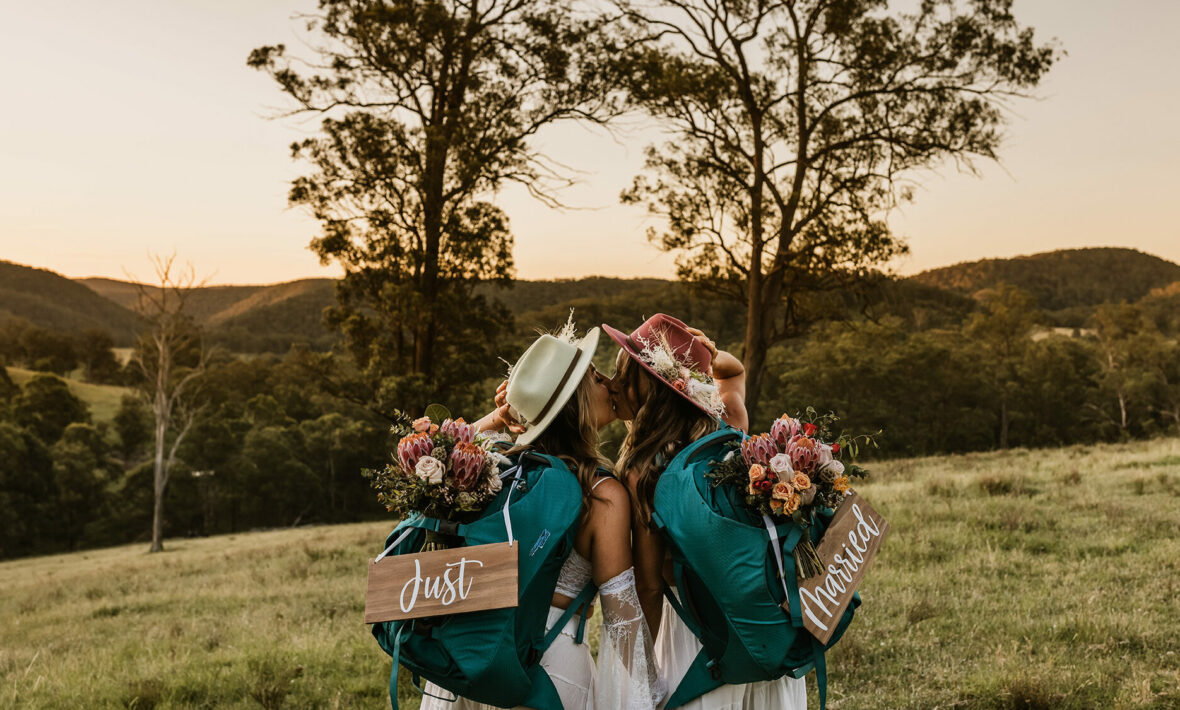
(452,581)
(846,549)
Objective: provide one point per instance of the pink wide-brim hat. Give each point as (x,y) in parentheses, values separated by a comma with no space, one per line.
(687,350)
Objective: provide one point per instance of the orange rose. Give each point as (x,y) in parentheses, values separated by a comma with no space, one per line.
(757,473)
(792,503)
(782,490)
(801,481)
(841,484)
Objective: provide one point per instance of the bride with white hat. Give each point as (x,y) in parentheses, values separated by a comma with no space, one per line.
(557,402)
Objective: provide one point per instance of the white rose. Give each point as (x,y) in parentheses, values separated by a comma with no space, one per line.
(781,464)
(825,454)
(430,469)
(834,469)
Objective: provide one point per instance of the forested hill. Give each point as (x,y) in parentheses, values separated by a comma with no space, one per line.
(1063,279)
(1067,284)
(54,302)
(249,318)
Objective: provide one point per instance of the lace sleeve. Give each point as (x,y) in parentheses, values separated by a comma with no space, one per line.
(626,665)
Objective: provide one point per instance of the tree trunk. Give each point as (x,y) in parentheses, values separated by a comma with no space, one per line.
(1004,422)
(755,364)
(159,473)
(158,488)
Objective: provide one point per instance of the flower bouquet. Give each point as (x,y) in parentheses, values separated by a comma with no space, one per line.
(444,469)
(794,470)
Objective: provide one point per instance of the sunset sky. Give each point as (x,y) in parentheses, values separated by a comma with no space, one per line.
(134,126)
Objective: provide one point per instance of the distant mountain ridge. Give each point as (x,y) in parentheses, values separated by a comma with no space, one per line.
(1063,279)
(55,302)
(260,318)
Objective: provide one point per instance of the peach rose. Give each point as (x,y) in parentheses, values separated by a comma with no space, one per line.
(801,481)
(757,473)
(776,505)
(792,503)
(782,490)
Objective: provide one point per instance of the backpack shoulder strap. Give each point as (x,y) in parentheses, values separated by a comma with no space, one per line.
(687,453)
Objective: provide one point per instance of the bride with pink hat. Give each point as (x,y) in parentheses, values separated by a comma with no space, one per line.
(673,386)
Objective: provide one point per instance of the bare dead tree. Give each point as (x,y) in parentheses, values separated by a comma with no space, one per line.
(171,356)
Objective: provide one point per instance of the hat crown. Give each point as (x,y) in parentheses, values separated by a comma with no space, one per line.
(539,375)
(686,348)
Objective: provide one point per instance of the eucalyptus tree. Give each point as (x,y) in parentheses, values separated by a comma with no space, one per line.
(428,108)
(796,125)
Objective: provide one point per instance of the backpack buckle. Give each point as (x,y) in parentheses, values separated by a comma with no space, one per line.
(714,669)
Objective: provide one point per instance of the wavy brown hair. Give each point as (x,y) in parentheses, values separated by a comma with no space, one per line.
(572,436)
(664,423)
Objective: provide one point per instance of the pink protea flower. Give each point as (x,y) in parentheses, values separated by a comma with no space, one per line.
(783,430)
(467,462)
(759,450)
(458,430)
(804,453)
(412,448)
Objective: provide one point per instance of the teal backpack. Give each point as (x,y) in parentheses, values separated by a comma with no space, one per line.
(731,580)
(493,656)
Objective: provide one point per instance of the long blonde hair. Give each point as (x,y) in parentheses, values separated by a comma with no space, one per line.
(664,423)
(572,436)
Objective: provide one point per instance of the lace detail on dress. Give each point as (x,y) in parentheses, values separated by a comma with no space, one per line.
(626,665)
(574,575)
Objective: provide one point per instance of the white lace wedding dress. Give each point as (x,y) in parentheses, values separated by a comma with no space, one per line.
(625,676)
(676,648)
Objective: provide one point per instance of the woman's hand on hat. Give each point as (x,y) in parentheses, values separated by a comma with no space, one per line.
(505,416)
(704,340)
(502,417)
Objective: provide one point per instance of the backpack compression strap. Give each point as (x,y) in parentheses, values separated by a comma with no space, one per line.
(400,631)
(582,600)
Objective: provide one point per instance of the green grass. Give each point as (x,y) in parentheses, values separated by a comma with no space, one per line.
(103,400)
(1026,579)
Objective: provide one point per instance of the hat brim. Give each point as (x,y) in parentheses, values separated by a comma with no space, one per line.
(624,341)
(586,346)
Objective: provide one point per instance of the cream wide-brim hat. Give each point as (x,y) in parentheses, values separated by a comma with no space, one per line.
(544,379)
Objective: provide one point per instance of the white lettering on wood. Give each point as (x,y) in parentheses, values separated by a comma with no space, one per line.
(448,581)
(845,551)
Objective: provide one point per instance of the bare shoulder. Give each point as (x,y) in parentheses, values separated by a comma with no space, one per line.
(613,493)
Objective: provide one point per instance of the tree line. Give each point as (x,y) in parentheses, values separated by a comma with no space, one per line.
(793,127)
(280,440)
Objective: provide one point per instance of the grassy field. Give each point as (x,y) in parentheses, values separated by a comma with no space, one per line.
(103,400)
(1025,579)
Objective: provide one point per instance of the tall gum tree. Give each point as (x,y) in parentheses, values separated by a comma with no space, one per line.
(428,109)
(796,126)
